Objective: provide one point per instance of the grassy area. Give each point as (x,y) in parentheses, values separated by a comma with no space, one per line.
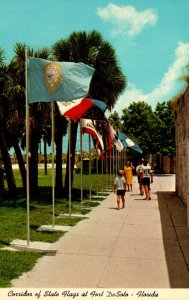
(13,219)
(13,264)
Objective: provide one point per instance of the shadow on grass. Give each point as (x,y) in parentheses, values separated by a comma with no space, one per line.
(43,196)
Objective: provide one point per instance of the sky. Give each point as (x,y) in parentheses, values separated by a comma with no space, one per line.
(150,38)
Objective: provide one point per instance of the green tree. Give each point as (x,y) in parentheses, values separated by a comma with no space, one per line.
(114,120)
(4,112)
(39,112)
(142,125)
(165,112)
(2,186)
(60,130)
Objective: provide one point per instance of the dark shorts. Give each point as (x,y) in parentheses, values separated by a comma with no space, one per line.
(120,193)
(146,181)
(139,179)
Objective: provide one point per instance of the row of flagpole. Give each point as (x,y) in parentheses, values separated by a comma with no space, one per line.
(112,167)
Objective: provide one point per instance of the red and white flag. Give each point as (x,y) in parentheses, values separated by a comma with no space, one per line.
(88,126)
(75,109)
(113,139)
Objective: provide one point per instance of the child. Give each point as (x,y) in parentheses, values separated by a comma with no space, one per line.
(120,188)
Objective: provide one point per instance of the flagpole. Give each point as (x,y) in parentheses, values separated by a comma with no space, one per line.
(27,148)
(89,165)
(53,173)
(110,162)
(81,165)
(105,168)
(69,167)
(97,177)
(116,160)
(102,173)
(113,161)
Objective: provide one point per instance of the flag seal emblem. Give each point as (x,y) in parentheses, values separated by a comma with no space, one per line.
(53,77)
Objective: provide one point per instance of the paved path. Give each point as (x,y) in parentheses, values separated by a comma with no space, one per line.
(144,245)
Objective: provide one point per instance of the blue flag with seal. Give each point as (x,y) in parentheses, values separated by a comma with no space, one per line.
(57,81)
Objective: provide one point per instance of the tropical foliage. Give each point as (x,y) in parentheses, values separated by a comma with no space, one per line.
(107,83)
(154,131)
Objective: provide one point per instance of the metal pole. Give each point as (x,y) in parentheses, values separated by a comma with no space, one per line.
(113,161)
(53,173)
(27,149)
(90,166)
(106,164)
(70,167)
(116,160)
(81,153)
(102,173)
(97,177)
(110,162)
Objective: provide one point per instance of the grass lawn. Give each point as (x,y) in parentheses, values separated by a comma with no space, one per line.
(13,219)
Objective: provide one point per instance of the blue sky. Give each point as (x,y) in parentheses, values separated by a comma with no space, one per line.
(151,37)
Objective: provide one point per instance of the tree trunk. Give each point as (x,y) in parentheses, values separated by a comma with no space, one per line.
(20,162)
(74,126)
(33,165)
(2,187)
(45,155)
(7,165)
(59,183)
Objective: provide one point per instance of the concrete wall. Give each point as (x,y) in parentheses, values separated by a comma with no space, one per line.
(182,147)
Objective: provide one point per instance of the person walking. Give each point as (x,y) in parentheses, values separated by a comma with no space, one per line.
(128,171)
(146,176)
(120,188)
(139,175)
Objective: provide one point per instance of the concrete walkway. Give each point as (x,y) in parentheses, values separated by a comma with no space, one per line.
(144,245)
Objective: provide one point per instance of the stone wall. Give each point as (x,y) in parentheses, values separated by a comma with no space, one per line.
(182,147)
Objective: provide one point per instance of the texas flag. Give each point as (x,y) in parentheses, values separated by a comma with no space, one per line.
(75,109)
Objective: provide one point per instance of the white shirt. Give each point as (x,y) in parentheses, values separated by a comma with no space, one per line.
(139,169)
(119,181)
(146,170)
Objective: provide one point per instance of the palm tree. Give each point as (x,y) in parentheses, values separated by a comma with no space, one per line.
(60,131)
(107,82)
(39,112)
(4,77)
(2,186)
(15,116)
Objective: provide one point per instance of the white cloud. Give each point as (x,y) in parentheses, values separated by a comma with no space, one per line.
(126,20)
(169,86)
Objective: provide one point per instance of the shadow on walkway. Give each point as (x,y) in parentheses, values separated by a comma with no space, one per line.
(175,235)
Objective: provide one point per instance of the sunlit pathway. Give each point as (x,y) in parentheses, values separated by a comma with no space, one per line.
(144,245)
